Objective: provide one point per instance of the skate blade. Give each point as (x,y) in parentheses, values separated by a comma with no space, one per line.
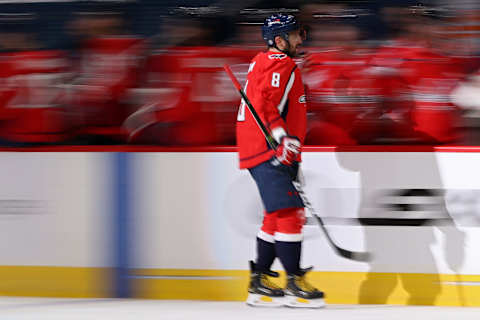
(296,302)
(258,300)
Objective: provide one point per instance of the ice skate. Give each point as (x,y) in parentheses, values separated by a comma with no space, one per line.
(262,292)
(301,294)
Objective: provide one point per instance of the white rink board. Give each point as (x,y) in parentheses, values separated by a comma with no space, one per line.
(55,209)
(199,211)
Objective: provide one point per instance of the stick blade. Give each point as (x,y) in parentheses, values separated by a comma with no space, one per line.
(352,255)
(362,256)
(355,255)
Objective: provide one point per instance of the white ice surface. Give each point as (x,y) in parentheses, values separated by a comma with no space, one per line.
(118,309)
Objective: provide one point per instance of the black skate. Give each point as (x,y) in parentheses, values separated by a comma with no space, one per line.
(262,292)
(301,294)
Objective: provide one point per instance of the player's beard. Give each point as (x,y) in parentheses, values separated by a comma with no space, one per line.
(291,51)
(294,52)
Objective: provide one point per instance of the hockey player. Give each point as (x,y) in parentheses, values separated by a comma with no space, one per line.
(340,89)
(275,88)
(31,107)
(185,98)
(429,73)
(107,68)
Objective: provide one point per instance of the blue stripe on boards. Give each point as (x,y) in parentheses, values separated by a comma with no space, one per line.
(121,225)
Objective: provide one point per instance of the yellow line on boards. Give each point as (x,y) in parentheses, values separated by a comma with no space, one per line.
(340,287)
(231,285)
(50,281)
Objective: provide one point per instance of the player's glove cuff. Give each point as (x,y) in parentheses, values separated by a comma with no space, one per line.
(278,133)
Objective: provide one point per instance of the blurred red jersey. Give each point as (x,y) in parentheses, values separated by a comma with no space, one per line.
(346,95)
(187,97)
(340,87)
(431,78)
(275,89)
(109,68)
(31,97)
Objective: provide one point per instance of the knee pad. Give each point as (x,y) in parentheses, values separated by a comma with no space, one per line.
(289,224)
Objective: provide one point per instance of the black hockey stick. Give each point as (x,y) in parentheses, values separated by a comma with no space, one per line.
(358,256)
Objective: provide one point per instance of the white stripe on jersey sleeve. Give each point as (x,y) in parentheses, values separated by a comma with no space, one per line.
(289,86)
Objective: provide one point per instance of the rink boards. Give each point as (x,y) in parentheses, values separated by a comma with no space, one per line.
(181,224)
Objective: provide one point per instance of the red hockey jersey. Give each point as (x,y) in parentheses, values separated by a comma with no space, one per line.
(98,96)
(31,107)
(188,94)
(275,89)
(429,78)
(346,95)
(340,88)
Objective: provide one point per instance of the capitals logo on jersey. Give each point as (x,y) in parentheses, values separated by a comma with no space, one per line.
(279,56)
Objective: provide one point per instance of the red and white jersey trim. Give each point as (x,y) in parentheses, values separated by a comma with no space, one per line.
(288,237)
(265,236)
